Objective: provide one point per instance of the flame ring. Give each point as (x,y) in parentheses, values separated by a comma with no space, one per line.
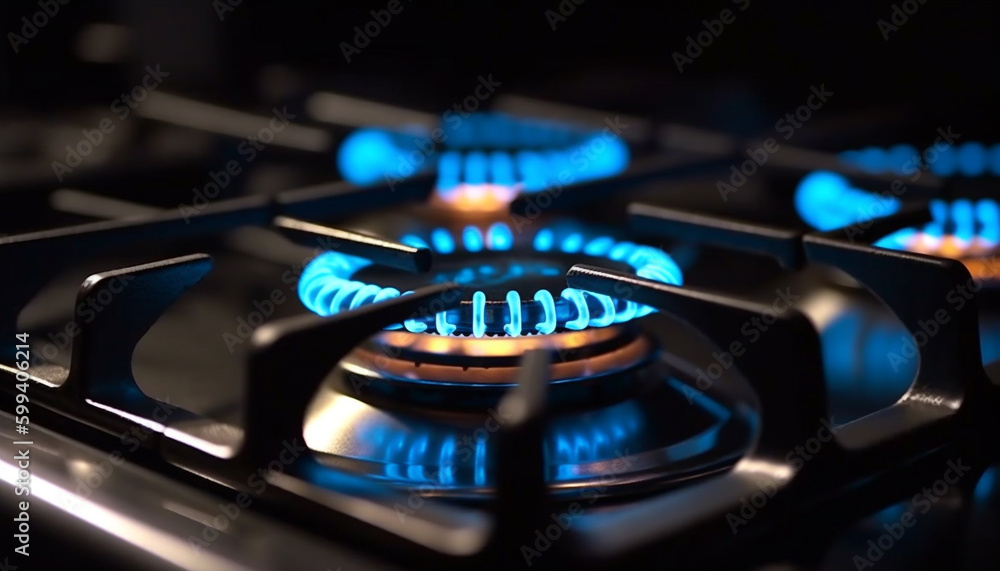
(326,286)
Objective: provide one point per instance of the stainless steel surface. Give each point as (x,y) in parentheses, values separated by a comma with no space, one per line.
(149,520)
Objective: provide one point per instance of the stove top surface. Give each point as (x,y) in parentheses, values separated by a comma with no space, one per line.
(568,312)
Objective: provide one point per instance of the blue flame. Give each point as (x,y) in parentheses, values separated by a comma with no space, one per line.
(531,167)
(446,474)
(599,246)
(962,216)
(988,213)
(548,325)
(476,168)
(572,243)
(500,237)
(972,159)
(967,221)
(422,454)
(825,200)
(326,286)
(544,240)
(899,159)
(442,240)
(968,159)
(502,168)
(449,170)
(479,314)
(414,240)
(485,148)
(598,156)
(945,163)
(608,309)
(480,467)
(986,486)
(514,307)
(441,322)
(367,156)
(580,308)
(472,238)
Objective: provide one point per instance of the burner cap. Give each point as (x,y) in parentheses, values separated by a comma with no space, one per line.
(402,369)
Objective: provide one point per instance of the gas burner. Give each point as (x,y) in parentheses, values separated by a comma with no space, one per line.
(962,230)
(483,148)
(433,369)
(515,282)
(826,200)
(407,406)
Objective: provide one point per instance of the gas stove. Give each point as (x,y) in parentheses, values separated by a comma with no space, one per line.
(324,327)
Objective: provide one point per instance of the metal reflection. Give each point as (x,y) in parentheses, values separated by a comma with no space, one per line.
(451,454)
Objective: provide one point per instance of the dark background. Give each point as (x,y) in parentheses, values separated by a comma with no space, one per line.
(941,62)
